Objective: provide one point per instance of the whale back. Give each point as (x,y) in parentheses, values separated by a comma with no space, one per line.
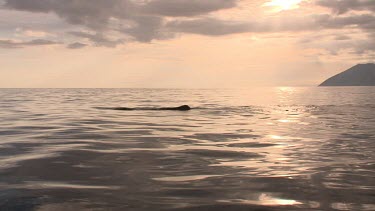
(184,108)
(179,108)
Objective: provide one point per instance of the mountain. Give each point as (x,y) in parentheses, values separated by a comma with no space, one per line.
(359,75)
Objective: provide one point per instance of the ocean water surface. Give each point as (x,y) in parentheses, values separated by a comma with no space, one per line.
(245,149)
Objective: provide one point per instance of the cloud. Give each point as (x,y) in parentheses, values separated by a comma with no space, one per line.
(21,44)
(146,29)
(358,46)
(31,33)
(218,27)
(76,45)
(188,8)
(98,38)
(360,26)
(208,26)
(110,23)
(344,6)
(141,20)
(342,37)
(365,21)
(93,14)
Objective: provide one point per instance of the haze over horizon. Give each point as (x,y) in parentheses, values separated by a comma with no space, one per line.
(181,43)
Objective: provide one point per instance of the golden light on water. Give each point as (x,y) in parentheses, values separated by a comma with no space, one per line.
(280,5)
(265,200)
(276,137)
(284,120)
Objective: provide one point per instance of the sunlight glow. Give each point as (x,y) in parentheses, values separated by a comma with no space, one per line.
(280,5)
(276,137)
(265,200)
(270,201)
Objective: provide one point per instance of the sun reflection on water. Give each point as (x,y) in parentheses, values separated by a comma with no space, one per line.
(276,137)
(265,200)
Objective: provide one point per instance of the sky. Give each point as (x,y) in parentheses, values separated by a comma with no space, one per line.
(181,43)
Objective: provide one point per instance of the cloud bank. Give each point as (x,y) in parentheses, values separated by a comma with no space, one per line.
(22,44)
(140,20)
(110,23)
(344,6)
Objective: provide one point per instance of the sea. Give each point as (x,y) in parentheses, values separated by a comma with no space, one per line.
(265,149)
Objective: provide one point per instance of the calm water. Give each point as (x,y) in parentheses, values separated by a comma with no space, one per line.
(255,149)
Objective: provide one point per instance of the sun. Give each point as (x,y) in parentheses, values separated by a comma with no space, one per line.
(280,5)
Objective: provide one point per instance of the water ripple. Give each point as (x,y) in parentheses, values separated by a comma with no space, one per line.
(269,149)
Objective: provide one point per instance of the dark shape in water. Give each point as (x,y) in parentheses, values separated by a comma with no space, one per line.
(359,75)
(179,108)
